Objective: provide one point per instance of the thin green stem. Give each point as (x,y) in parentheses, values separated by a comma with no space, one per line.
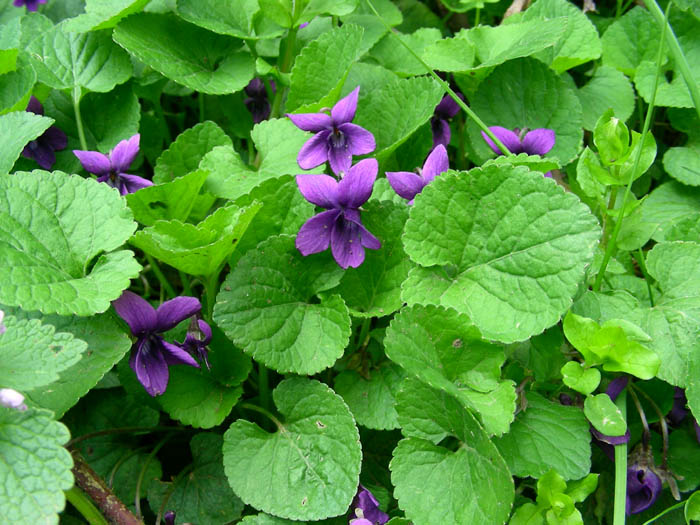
(610,248)
(211,287)
(125,457)
(445,85)
(670,509)
(639,256)
(646,434)
(264,386)
(137,495)
(477,16)
(286,65)
(621,468)
(606,220)
(676,51)
(165,285)
(264,412)
(662,422)
(84,505)
(78,119)
(185,281)
(363,336)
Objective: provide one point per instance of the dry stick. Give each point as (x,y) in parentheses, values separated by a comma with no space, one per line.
(111,507)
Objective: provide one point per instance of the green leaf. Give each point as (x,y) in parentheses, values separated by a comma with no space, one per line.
(691,510)
(58,233)
(532,162)
(108,117)
(465,499)
(371,399)
(604,415)
(512,270)
(19,128)
(631,39)
(684,458)
(203,495)
(244,19)
(15,89)
(37,469)
(528,514)
(187,54)
(613,345)
(374,288)
(309,469)
(396,110)
(103,14)
(542,100)
(686,230)
(608,88)
(398,59)
(450,54)
(683,163)
(170,201)
(547,436)
(443,349)
(581,489)
(667,205)
(579,378)
(201,249)
(328,7)
(499,44)
(64,60)
(266,306)
(321,68)
(266,519)
(34,353)
(579,43)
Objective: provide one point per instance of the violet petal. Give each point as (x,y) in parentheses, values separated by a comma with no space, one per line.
(366,238)
(509,139)
(41,152)
(148,363)
(339,156)
(206,331)
(359,140)
(538,141)
(133,183)
(314,152)
(344,109)
(137,312)
(643,487)
(34,105)
(124,154)
(356,187)
(365,501)
(55,138)
(311,121)
(315,234)
(436,163)
(174,355)
(405,183)
(346,244)
(176,310)
(616,386)
(321,190)
(441,132)
(94,161)
(447,107)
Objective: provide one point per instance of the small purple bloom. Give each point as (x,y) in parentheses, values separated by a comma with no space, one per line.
(643,487)
(445,110)
(678,411)
(12,399)
(340,226)
(31,5)
(196,341)
(257,102)
(112,168)
(336,140)
(533,142)
(365,507)
(151,354)
(169,517)
(408,185)
(53,139)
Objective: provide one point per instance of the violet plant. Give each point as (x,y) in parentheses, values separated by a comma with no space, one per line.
(274,320)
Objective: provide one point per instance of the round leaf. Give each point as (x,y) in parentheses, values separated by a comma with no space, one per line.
(584,380)
(604,415)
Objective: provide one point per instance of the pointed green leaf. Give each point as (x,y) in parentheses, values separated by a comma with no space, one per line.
(309,469)
(242,19)
(103,14)
(57,234)
(19,128)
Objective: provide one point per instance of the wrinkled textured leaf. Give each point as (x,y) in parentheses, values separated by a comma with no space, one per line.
(240,19)
(18,128)
(683,163)
(103,14)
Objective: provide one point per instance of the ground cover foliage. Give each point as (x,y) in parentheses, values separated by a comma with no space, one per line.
(350,261)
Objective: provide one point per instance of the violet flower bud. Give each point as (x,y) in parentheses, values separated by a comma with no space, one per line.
(169,517)
(643,487)
(12,399)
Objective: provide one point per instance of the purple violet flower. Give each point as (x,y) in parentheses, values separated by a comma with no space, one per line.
(12,399)
(169,517)
(31,6)
(445,110)
(151,354)
(53,139)
(257,101)
(605,442)
(533,142)
(112,168)
(408,185)
(340,226)
(643,487)
(365,508)
(336,140)
(196,341)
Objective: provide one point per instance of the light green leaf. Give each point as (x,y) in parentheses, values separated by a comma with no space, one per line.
(266,307)
(65,60)
(684,458)
(172,200)
(15,89)
(36,466)
(19,128)
(579,378)
(608,88)
(374,288)
(604,415)
(187,54)
(542,100)
(187,151)
(512,270)
(34,353)
(465,499)
(547,436)
(200,249)
(532,162)
(683,163)
(328,7)
(450,54)
(103,14)
(443,349)
(396,110)
(108,117)
(266,519)
(242,19)
(685,230)
(691,510)
(527,514)
(58,233)
(321,68)
(579,43)
(398,59)
(371,399)
(631,39)
(309,469)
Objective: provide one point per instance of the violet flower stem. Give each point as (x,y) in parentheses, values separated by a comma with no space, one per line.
(621,468)
(160,276)
(676,51)
(639,256)
(646,434)
(610,248)
(287,61)
(445,86)
(82,504)
(665,511)
(137,492)
(363,335)
(78,119)
(606,219)
(255,408)
(662,421)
